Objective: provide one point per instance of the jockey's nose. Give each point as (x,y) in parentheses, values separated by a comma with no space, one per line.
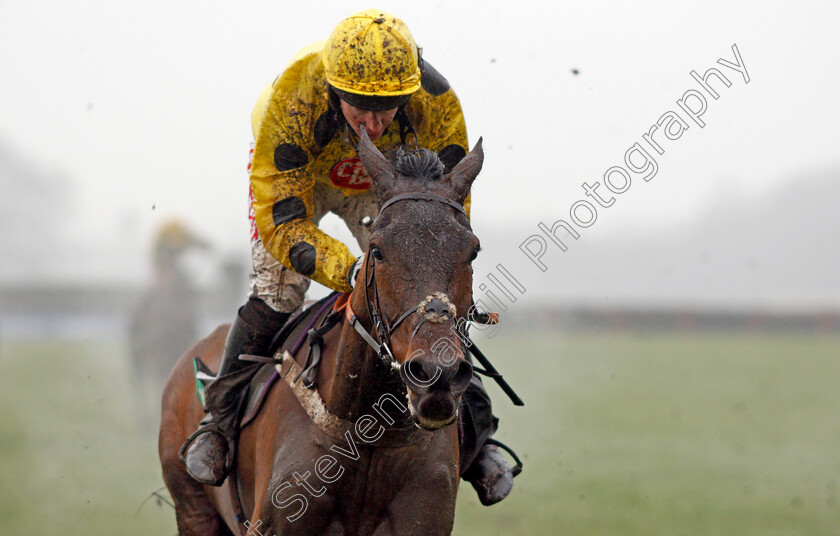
(372,124)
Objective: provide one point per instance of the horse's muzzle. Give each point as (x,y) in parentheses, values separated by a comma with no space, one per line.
(428,422)
(435,384)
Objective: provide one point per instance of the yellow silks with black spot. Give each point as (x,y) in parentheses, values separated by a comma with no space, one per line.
(292,113)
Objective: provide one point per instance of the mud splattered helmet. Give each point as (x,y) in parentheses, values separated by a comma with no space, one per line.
(371,61)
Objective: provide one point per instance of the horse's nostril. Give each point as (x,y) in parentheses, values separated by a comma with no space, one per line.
(463,375)
(418,375)
(416,370)
(437,306)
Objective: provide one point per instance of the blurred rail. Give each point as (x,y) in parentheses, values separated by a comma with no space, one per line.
(63,311)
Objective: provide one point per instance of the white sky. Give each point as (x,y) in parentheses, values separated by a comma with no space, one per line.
(146,104)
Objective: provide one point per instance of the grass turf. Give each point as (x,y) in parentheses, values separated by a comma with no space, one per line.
(622,434)
(670,434)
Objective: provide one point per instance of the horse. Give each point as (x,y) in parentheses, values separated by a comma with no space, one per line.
(373,449)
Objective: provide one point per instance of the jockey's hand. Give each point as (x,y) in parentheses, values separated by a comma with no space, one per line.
(353,274)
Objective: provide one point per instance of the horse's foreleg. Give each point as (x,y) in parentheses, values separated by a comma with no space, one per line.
(425,500)
(181,411)
(425,506)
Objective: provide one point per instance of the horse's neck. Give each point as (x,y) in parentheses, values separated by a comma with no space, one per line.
(359,379)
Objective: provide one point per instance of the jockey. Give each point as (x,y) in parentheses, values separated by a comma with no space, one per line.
(303,165)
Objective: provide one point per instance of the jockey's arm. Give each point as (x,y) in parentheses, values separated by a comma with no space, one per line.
(283,204)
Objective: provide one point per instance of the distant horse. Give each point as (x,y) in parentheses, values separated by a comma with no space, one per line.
(371,451)
(164,320)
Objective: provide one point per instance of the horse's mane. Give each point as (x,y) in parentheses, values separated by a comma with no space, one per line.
(418,163)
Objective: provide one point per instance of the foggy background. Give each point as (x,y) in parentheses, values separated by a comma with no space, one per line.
(119,120)
(117,117)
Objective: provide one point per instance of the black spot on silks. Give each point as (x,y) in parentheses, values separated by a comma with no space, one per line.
(432,81)
(326,127)
(451,155)
(302,258)
(288,209)
(289,156)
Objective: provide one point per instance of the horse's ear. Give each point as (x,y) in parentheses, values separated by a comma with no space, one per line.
(464,173)
(377,166)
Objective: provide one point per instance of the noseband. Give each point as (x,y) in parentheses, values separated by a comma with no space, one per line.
(435,307)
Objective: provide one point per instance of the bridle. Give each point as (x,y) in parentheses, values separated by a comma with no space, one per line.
(436,307)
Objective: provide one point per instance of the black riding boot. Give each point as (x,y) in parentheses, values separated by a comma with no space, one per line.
(482,464)
(208,452)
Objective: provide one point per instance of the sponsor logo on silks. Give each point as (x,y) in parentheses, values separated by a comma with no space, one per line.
(350,173)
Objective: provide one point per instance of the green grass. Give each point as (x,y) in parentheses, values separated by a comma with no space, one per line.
(622,434)
(668,434)
(73,461)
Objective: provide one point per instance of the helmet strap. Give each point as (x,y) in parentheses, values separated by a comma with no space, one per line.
(407,133)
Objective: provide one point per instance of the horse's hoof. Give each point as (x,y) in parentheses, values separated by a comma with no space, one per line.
(206,459)
(490,476)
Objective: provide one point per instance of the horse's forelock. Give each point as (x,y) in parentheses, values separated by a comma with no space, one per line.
(419,164)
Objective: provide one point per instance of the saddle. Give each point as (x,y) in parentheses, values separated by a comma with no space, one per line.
(324,314)
(253,396)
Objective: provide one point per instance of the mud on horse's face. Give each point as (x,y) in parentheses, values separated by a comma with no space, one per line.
(418,269)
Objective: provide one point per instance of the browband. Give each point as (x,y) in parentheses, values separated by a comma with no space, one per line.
(423,197)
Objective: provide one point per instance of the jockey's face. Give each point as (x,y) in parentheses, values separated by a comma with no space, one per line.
(375,122)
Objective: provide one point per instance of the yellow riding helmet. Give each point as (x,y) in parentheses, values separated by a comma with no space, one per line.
(173,232)
(372,53)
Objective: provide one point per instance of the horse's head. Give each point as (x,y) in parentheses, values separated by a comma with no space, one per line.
(417,277)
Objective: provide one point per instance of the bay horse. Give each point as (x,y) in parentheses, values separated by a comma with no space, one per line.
(374,452)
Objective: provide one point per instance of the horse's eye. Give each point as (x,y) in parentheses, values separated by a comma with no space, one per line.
(377,255)
(474,254)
